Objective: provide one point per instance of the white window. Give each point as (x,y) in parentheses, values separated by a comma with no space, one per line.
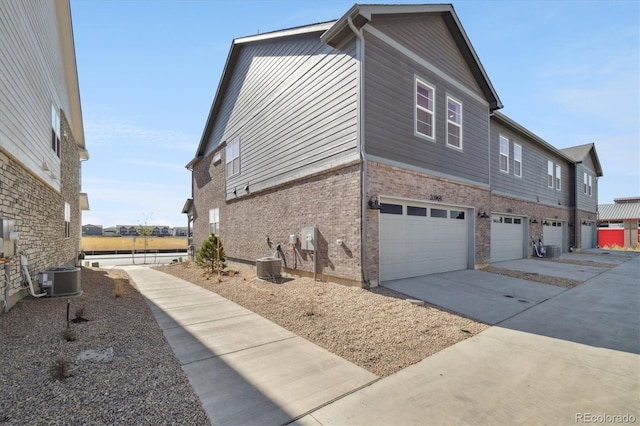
(550,174)
(454,123)
(55,130)
(590,187)
(232,158)
(214,221)
(504,154)
(558,177)
(425,109)
(586,187)
(67,220)
(517,160)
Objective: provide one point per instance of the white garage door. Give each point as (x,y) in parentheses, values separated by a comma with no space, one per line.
(507,238)
(553,232)
(587,235)
(419,239)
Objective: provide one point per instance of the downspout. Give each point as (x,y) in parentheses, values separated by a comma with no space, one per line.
(363,158)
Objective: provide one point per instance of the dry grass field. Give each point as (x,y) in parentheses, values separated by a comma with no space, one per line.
(124,244)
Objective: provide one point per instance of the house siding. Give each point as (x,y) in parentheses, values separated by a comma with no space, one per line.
(32,79)
(584,201)
(390,109)
(533,184)
(292,102)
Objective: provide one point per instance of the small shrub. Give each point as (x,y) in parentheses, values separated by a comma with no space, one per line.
(118,287)
(69,334)
(211,254)
(59,370)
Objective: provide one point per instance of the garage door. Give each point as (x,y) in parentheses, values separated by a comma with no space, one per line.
(419,239)
(588,230)
(507,238)
(553,232)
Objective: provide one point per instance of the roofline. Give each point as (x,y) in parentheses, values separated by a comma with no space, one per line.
(367,12)
(306,29)
(526,132)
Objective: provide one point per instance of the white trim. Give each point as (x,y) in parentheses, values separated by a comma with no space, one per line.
(517,159)
(453,123)
(232,151)
(285,33)
(501,154)
(550,184)
(558,177)
(418,59)
(419,81)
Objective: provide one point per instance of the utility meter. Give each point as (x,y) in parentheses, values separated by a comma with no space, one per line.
(308,238)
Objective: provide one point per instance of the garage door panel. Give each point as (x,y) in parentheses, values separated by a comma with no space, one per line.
(553,233)
(419,245)
(507,238)
(587,236)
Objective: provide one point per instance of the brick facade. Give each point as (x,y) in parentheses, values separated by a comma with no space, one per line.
(38,212)
(329,200)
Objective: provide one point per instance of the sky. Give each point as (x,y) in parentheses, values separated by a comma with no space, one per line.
(567,70)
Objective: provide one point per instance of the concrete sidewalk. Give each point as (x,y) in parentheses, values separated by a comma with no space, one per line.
(245,369)
(568,358)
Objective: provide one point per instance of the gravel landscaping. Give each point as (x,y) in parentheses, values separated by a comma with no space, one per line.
(379,329)
(141,384)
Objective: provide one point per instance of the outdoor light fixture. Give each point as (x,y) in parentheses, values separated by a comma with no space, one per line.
(533,221)
(483,215)
(374,204)
(246,188)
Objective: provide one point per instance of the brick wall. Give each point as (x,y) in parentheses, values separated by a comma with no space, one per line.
(38,212)
(330,201)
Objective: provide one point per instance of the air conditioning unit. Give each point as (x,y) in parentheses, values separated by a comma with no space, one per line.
(552,251)
(61,281)
(268,268)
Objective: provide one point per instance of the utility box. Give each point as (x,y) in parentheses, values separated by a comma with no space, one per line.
(6,229)
(308,238)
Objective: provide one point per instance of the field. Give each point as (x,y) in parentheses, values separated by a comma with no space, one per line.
(126,244)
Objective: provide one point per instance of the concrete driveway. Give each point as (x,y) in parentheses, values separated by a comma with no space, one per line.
(572,359)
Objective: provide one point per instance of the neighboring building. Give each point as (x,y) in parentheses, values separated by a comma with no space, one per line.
(110,231)
(388,150)
(181,231)
(619,223)
(91,230)
(41,141)
(131,230)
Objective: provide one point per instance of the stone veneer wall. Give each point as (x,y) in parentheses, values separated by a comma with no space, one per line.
(329,200)
(38,212)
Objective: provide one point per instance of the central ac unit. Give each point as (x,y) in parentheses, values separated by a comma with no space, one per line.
(61,281)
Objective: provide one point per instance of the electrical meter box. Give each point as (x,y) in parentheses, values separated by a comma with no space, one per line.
(6,229)
(308,238)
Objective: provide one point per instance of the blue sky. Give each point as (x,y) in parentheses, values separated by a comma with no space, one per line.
(569,71)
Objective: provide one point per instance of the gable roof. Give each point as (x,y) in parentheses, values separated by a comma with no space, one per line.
(580,152)
(360,14)
(618,211)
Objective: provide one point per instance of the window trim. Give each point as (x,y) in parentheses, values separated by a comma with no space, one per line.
(67,220)
(418,81)
(550,179)
(502,154)
(232,153)
(453,123)
(585,184)
(590,186)
(55,130)
(517,158)
(214,219)
(558,177)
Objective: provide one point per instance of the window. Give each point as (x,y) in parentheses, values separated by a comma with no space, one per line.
(550,174)
(504,154)
(425,109)
(517,160)
(232,155)
(67,220)
(454,123)
(456,214)
(438,213)
(590,187)
(391,208)
(55,130)
(586,190)
(558,177)
(214,221)
(416,211)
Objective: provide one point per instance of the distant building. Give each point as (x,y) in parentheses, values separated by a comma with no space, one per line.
(619,223)
(132,230)
(91,230)
(111,231)
(181,231)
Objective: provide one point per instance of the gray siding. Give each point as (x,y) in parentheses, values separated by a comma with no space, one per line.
(390,109)
(32,78)
(584,201)
(293,103)
(533,183)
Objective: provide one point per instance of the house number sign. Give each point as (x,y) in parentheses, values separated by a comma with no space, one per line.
(434,197)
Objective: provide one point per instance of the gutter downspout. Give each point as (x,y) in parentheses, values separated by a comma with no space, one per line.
(363,158)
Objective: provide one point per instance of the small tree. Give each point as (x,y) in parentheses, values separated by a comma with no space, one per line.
(211,254)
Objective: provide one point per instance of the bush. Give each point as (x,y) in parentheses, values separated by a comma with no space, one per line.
(208,255)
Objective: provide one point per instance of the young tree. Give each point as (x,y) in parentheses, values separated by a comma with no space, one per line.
(145,231)
(211,254)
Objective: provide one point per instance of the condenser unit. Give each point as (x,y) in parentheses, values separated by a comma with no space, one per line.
(268,268)
(61,281)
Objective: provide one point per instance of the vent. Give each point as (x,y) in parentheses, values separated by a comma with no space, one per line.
(268,268)
(61,281)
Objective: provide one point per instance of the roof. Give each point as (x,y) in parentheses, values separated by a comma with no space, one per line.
(580,152)
(334,32)
(187,206)
(619,211)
